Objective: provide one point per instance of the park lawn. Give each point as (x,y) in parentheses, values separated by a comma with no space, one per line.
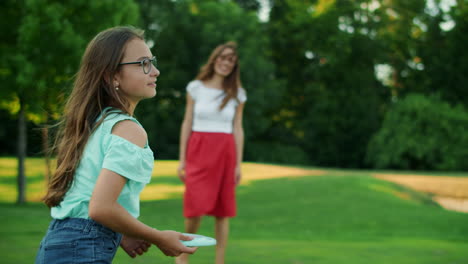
(307,219)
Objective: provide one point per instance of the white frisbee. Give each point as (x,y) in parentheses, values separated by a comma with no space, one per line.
(199,241)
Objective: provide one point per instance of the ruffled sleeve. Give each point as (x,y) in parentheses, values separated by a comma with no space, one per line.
(129,160)
(241,95)
(192,89)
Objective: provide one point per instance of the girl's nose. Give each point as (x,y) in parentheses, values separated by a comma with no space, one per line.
(154,71)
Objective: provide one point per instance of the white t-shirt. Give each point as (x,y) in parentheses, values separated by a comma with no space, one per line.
(207,117)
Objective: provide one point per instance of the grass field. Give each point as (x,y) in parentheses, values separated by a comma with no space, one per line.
(285,217)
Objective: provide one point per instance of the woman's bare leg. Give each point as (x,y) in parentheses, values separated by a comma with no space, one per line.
(191,226)
(222,233)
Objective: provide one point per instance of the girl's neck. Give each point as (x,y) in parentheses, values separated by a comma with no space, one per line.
(132,106)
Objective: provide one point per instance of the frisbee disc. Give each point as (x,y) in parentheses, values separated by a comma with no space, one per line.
(199,241)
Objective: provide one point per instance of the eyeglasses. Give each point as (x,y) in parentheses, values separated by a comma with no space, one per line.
(145,64)
(229,57)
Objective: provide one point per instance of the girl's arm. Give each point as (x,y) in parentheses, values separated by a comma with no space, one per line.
(238,132)
(104,208)
(185,131)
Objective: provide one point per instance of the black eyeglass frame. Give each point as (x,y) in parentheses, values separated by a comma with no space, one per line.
(142,63)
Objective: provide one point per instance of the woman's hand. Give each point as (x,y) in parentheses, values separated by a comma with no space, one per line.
(169,243)
(181,171)
(237,175)
(133,246)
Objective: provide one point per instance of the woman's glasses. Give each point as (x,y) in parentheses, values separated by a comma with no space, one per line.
(229,57)
(145,64)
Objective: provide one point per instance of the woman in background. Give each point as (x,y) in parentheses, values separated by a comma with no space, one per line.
(211,145)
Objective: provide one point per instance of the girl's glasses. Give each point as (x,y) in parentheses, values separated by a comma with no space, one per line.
(145,64)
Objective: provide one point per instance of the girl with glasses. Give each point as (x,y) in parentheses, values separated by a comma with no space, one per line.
(211,145)
(103,158)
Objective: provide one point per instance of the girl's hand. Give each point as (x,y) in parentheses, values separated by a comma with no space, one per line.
(181,171)
(169,243)
(134,246)
(237,175)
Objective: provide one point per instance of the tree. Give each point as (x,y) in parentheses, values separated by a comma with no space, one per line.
(250,5)
(44,49)
(421,133)
(326,53)
(443,56)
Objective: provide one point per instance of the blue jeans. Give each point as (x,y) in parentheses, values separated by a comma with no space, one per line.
(78,240)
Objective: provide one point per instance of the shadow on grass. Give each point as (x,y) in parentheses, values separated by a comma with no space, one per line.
(170,179)
(29,179)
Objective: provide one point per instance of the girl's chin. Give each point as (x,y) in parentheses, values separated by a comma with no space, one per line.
(150,94)
(153,94)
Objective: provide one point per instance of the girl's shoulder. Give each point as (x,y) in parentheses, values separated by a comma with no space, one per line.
(110,117)
(131,132)
(120,126)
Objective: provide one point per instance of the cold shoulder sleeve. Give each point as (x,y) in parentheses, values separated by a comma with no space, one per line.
(125,158)
(128,160)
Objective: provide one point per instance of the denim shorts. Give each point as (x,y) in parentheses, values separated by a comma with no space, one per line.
(77,240)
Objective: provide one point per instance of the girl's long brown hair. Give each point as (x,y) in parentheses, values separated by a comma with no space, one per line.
(231,82)
(93,90)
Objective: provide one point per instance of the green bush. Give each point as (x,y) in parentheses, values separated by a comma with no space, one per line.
(422,133)
(273,152)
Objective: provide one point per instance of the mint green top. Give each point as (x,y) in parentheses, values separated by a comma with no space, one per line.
(105,150)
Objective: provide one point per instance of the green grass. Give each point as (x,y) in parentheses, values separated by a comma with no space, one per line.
(312,219)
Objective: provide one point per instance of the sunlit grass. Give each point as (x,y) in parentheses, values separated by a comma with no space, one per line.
(286,215)
(327,219)
(35,179)
(165,184)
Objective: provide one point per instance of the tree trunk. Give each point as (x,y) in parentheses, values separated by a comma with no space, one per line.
(21,144)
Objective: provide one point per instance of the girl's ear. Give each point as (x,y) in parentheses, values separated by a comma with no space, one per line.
(115,82)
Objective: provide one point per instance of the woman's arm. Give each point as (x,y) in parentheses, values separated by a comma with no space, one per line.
(238,132)
(104,208)
(185,131)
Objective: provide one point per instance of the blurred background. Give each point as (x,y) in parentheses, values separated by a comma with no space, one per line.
(350,84)
(355,85)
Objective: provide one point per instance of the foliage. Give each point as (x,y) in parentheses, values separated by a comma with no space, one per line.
(277,153)
(334,99)
(42,52)
(445,57)
(422,133)
(46,44)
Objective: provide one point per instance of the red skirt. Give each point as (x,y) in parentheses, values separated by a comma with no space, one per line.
(210,167)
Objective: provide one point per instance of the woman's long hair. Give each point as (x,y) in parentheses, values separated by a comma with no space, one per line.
(231,82)
(93,90)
